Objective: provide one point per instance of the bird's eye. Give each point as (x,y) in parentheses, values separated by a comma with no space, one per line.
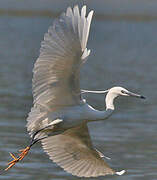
(123,92)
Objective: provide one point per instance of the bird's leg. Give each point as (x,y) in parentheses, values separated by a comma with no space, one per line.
(55,122)
(25,151)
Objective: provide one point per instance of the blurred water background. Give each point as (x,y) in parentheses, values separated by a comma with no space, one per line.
(123,43)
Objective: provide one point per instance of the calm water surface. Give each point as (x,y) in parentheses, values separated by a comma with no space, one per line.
(122,53)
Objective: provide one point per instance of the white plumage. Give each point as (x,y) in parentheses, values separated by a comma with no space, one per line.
(59,112)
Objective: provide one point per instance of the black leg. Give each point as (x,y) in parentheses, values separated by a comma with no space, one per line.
(33,137)
(34,141)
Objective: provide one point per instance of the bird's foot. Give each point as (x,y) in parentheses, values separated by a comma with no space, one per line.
(23,153)
(13,162)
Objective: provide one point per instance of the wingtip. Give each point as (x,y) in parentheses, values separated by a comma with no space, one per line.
(120,172)
(76,7)
(84,6)
(83,11)
(69,11)
(91,13)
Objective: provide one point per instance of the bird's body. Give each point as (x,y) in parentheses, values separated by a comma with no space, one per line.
(60,115)
(76,115)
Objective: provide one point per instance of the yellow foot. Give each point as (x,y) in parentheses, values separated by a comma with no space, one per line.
(24,152)
(13,162)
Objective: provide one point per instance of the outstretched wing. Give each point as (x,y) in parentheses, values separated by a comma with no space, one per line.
(73,151)
(56,71)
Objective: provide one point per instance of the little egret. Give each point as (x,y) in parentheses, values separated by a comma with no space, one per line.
(60,115)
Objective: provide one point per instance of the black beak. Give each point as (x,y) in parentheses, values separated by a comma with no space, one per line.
(135,95)
(142,97)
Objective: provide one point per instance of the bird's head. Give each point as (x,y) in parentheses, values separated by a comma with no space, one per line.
(120,91)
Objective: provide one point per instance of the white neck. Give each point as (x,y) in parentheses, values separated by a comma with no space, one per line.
(96,115)
(100,115)
(110,100)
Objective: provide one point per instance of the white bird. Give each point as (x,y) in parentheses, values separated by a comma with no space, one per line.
(60,115)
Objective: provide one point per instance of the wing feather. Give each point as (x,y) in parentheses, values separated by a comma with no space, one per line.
(56,71)
(73,151)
